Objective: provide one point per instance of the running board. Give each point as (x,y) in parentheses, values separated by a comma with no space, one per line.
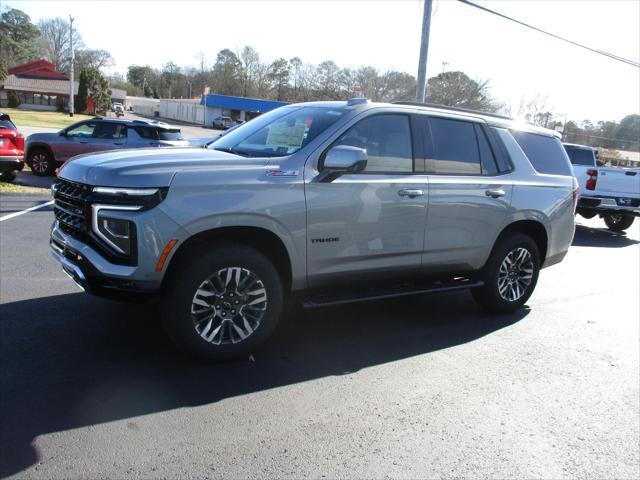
(326,300)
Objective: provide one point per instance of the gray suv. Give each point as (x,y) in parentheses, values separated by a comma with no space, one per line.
(324,203)
(45,151)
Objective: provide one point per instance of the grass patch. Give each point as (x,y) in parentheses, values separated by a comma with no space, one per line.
(32,118)
(14,188)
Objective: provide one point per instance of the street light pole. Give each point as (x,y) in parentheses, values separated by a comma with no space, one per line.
(71,82)
(424,49)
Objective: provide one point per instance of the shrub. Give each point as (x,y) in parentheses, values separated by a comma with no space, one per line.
(13,99)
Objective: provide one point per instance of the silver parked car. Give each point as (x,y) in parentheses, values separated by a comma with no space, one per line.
(45,151)
(326,203)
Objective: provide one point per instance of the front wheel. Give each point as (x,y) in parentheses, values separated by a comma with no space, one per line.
(618,222)
(223,302)
(510,275)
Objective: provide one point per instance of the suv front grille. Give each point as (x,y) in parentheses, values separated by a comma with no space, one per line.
(72,208)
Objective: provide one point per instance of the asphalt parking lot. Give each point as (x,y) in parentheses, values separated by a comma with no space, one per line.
(420,387)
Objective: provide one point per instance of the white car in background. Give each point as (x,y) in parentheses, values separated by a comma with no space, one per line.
(613,193)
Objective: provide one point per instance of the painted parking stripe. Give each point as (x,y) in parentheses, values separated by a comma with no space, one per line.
(31,209)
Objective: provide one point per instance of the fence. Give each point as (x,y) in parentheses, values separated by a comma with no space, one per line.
(189,111)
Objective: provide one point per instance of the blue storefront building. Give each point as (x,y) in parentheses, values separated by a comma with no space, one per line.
(238,108)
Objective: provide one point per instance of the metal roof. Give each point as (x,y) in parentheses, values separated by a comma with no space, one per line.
(239,103)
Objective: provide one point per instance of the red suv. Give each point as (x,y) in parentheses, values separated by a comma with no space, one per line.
(11,149)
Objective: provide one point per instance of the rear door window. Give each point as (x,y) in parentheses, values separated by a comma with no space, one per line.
(455,148)
(546,154)
(109,130)
(581,156)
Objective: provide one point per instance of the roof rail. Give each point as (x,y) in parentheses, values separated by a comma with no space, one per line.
(357,101)
(455,109)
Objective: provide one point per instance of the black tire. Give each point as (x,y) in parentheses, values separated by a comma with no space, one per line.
(618,222)
(183,305)
(489,295)
(9,176)
(41,162)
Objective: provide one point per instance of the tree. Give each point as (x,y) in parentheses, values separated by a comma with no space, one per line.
(628,130)
(456,89)
(18,38)
(170,74)
(83,92)
(99,89)
(54,42)
(13,99)
(227,73)
(327,80)
(93,58)
(250,62)
(3,69)
(296,64)
(279,76)
(145,78)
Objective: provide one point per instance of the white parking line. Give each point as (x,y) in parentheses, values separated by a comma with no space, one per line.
(11,215)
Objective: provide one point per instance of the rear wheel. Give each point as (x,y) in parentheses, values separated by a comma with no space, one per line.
(41,162)
(224,302)
(510,275)
(618,222)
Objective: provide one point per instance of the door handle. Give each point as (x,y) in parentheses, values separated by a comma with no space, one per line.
(410,193)
(118,143)
(85,141)
(494,193)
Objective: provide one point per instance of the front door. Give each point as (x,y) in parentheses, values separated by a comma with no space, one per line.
(74,141)
(371,223)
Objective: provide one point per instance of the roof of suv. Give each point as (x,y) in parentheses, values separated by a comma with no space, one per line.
(137,123)
(492,119)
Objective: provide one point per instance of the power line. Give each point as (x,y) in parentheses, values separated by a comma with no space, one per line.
(558,37)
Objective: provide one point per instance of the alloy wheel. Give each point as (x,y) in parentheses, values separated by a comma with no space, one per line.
(515,274)
(229,306)
(39,163)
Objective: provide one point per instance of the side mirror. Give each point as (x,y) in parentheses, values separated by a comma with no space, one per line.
(340,160)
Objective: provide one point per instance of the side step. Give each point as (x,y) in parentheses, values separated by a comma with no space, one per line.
(328,299)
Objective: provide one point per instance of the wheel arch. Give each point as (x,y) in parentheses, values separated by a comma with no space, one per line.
(261,239)
(39,146)
(534,229)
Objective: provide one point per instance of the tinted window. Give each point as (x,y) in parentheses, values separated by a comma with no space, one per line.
(487,158)
(546,154)
(82,130)
(147,132)
(169,134)
(7,124)
(455,148)
(580,156)
(110,131)
(387,140)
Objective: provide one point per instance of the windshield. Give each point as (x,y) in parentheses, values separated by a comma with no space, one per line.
(280,132)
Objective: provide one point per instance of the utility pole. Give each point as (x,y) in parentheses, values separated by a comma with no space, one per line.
(444,66)
(71,82)
(424,49)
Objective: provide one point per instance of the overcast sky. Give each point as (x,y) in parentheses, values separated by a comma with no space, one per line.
(386,34)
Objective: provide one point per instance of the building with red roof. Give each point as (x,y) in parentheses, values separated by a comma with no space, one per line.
(38,85)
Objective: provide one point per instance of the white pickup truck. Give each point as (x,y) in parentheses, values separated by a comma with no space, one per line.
(611,193)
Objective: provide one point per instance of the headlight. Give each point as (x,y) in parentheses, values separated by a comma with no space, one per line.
(146,198)
(118,233)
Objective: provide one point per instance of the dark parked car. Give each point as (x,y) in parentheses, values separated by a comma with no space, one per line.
(46,151)
(11,149)
(224,122)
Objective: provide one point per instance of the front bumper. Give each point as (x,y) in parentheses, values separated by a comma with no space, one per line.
(8,164)
(609,205)
(95,275)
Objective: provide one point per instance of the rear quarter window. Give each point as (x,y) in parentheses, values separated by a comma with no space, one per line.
(546,154)
(169,134)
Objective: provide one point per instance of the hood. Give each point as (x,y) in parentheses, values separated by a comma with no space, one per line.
(44,137)
(148,167)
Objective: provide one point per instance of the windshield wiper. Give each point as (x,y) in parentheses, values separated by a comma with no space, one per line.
(232,150)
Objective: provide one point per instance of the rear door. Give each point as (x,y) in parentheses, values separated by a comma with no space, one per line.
(108,136)
(468,197)
(369,224)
